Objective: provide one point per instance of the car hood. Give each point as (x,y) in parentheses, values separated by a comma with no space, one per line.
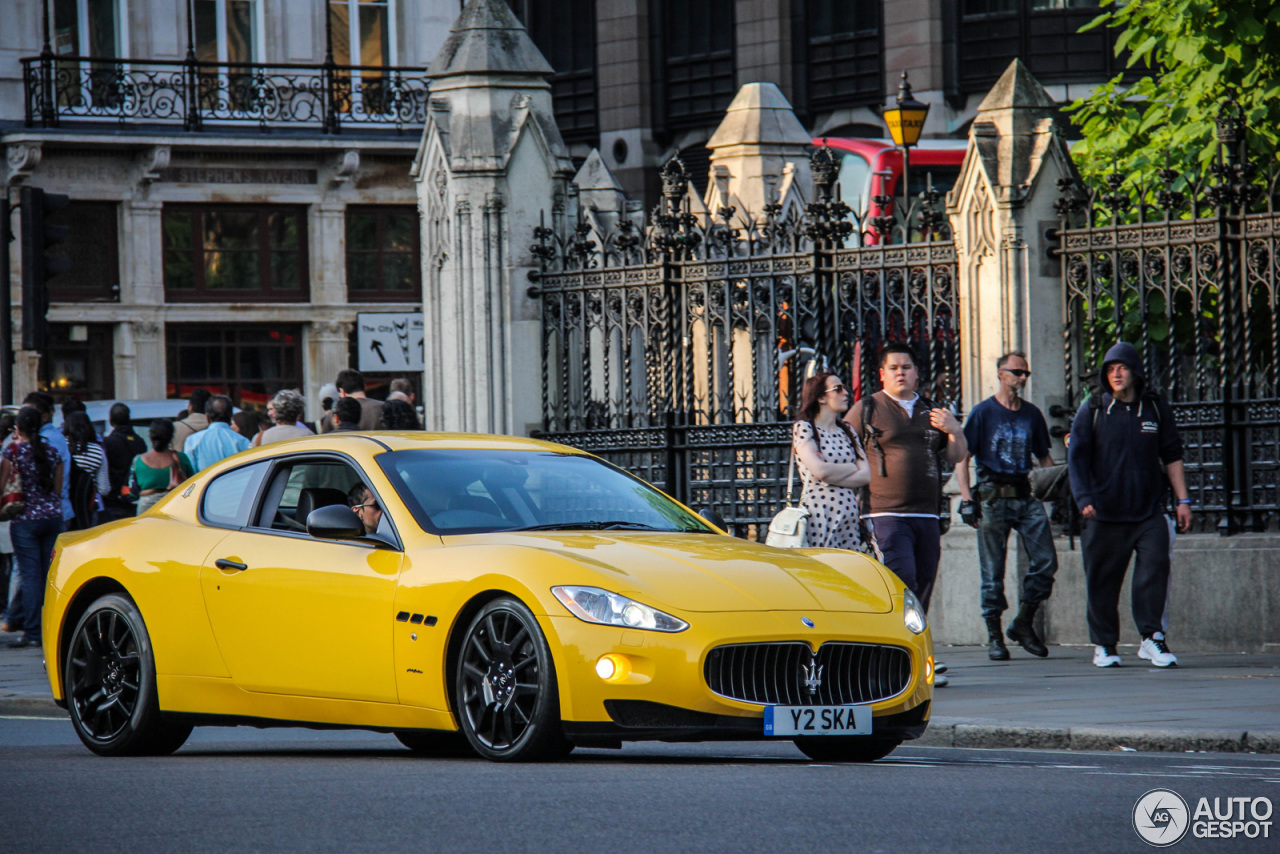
(710,572)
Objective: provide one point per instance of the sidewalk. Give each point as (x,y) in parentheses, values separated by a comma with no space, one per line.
(1212,701)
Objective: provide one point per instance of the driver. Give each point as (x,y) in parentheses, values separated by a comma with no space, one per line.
(364,505)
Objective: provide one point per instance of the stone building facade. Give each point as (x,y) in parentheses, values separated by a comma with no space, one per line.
(277,194)
(229,222)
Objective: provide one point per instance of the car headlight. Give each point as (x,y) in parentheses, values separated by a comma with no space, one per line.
(593,605)
(912,613)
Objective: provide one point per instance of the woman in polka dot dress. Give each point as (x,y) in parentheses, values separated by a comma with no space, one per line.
(832,465)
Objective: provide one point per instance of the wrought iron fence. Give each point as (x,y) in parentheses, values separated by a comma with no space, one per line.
(194,94)
(676,346)
(1187,270)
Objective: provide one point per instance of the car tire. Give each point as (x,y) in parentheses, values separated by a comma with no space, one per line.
(847,748)
(435,743)
(506,695)
(109,681)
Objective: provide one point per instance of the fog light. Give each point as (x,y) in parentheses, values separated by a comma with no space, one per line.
(928,670)
(612,667)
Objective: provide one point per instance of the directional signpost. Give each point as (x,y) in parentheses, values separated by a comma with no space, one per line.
(389,342)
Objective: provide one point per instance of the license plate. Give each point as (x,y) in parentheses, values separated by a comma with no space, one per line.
(817,720)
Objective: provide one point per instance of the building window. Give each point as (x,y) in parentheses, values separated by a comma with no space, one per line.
(232,253)
(228,30)
(383,254)
(693,55)
(1044,33)
(565,32)
(361,31)
(840,56)
(362,45)
(93,251)
(88,28)
(248,363)
(79,363)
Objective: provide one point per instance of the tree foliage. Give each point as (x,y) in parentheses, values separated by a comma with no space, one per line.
(1195,55)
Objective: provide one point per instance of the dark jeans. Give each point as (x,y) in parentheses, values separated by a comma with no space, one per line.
(1027,517)
(911,547)
(1106,548)
(33,549)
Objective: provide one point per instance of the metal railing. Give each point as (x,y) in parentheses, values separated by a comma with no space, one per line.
(676,346)
(195,95)
(1186,270)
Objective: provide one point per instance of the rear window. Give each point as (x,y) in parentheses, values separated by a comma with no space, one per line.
(228,500)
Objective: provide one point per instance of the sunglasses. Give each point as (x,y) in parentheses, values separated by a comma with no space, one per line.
(1017,372)
(362,506)
(838,389)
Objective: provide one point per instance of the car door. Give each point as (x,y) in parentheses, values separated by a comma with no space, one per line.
(297,615)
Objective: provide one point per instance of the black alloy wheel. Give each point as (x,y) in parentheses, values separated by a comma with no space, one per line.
(110,684)
(850,748)
(506,694)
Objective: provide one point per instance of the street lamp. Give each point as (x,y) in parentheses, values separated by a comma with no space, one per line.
(905,122)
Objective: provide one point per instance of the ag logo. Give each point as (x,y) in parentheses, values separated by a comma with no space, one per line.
(1160,817)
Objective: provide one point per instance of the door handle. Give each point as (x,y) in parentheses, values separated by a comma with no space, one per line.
(223,563)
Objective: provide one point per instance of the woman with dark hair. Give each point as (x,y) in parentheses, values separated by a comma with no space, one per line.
(88,468)
(398,415)
(36,528)
(832,465)
(161,468)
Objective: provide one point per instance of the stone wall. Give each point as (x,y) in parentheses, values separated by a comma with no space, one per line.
(1224,593)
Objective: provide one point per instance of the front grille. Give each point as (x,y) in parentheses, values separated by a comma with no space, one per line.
(775,673)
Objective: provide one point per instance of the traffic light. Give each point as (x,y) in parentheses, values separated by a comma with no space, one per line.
(38,267)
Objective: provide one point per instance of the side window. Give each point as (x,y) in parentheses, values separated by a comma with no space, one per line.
(298,489)
(229,499)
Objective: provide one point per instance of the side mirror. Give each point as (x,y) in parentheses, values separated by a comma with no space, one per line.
(714,518)
(334,522)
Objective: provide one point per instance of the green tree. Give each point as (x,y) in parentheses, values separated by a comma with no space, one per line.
(1196,54)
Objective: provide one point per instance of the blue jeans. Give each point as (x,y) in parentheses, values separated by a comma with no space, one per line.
(33,549)
(911,547)
(1027,517)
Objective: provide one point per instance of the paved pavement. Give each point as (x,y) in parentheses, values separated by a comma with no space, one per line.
(1213,701)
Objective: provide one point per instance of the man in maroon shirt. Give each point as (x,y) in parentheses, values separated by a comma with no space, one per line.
(904,435)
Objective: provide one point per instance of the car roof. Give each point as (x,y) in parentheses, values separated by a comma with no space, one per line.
(406,440)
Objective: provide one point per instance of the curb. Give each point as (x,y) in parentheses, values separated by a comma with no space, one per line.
(39,707)
(943,732)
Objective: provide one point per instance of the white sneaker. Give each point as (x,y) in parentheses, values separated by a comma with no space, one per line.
(940,681)
(1155,650)
(939,667)
(1106,656)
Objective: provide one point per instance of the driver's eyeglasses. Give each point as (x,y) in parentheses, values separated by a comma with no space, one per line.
(838,389)
(1017,372)
(362,506)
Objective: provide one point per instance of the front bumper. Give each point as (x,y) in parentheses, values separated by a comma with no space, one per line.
(666,695)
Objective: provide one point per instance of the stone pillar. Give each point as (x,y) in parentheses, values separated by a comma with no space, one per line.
(326,354)
(490,164)
(140,366)
(1001,208)
(759,154)
(1010,294)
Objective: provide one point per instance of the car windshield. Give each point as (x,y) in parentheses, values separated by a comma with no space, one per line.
(465,491)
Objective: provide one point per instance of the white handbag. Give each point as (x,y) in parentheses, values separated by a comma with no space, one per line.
(787,528)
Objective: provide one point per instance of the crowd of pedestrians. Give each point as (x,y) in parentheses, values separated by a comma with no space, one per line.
(873,472)
(72,478)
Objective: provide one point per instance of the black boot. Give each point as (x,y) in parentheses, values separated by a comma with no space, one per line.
(1022,632)
(996,650)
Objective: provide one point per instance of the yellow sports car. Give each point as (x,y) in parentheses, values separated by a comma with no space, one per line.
(492,594)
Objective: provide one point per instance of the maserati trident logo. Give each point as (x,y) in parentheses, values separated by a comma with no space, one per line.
(812,677)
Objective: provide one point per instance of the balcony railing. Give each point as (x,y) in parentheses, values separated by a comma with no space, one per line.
(199,95)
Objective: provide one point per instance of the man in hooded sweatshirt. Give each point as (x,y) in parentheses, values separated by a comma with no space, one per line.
(1118,442)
